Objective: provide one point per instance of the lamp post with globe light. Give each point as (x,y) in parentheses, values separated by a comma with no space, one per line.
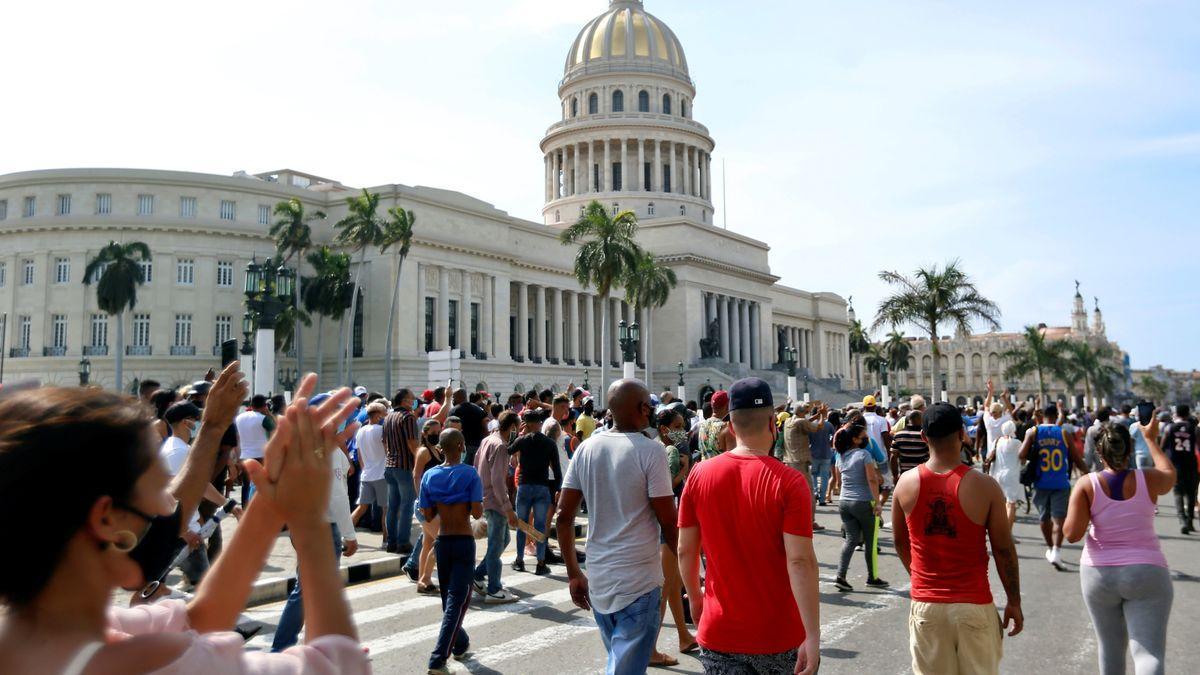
(628,336)
(268,292)
(85,371)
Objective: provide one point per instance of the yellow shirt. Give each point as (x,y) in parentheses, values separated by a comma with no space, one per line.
(585,425)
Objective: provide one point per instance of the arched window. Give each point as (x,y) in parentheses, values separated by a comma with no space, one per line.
(666,104)
(618,101)
(593,104)
(926,364)
(682,210)
(574,107)
(643,101)
(650,209)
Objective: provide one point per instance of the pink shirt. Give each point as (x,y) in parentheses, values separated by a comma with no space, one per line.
(226,653)
(1122,532)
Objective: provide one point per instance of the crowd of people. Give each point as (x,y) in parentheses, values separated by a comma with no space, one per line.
(706,508)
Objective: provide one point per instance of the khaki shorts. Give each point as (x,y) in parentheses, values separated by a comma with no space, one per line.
(949,638)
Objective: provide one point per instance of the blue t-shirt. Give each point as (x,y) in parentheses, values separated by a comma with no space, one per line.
(1055,469)
(453,484)
(819,442)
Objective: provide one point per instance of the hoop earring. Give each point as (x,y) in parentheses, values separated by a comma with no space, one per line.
(126,541)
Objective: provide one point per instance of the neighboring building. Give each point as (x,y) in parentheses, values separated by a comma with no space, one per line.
(1182,386)
(968,361)
(496,287)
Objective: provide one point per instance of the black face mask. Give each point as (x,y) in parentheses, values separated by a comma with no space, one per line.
(864,443)
(158,547)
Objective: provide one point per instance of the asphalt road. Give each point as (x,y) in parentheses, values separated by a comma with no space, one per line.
(863,631)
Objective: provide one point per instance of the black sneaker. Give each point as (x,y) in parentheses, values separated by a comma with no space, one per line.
(1184,530)
(390,548)
(518,566)
(542,569)
(843,585)
(411,573)
(877,583)
(553,558)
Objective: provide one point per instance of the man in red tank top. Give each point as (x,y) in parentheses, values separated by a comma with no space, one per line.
(942,514)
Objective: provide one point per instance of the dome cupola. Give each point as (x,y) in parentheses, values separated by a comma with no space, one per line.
(626,38)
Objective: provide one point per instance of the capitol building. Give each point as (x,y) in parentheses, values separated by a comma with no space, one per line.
(497,288)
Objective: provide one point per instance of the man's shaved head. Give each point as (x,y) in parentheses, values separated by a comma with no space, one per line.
(459,396)
(452,442)
(629,402)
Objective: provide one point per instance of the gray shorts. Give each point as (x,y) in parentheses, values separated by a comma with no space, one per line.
(373,492)
(723,663)
(1051,503)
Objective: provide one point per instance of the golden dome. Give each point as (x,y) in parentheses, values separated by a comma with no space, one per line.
(627,36)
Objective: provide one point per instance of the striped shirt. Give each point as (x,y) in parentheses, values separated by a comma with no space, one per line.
(910,448)
(400,440)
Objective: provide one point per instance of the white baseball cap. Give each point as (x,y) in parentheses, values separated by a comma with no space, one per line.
(360,390)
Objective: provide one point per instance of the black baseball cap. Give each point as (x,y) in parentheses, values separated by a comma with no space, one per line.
(748,393)
(199,388)
(941,420)
(181,411)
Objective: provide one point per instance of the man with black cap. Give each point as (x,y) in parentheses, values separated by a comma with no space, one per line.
(943,514)
(759,610)
(254,427)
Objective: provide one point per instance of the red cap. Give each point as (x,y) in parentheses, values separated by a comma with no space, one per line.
(427,395)
(720,399)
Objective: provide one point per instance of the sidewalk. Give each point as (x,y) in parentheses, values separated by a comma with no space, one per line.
(371,562)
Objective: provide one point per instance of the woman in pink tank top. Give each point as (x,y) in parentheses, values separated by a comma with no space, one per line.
(1124,575)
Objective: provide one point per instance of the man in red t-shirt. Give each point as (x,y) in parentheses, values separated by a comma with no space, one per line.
(759,610)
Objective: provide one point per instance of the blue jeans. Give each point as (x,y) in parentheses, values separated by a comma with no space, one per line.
(292,618)
(497,541)
(401,496)
(455,558)
(537,499)
(414,561)
(629,634)
(820,477)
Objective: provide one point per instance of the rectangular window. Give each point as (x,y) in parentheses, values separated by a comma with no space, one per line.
(224,274)
(147,270)
(474,328)
(224,328)
(228,210)
(666,178)
(264,214)
(141,330)
(187,207)
(99,330)
(3,274)
(103,203)
(647,174)
(595,178)
(27,273)
(58,324)
(30,207)
(616,168)
(62,270)
(453,324)
(24,332)
(183,330)
(64,205)
(185,271)
(3,209)
(145,205)
(430,325)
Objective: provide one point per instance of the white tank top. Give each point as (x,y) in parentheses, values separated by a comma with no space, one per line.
(252,437)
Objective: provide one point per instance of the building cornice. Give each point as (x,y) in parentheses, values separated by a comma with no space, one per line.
(160,177)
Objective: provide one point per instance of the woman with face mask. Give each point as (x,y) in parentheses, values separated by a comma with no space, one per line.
(56,593)
(672,433)
(858,504)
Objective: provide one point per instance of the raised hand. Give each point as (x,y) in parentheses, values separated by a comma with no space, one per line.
(225,397)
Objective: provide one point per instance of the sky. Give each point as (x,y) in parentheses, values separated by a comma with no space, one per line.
(1038,143)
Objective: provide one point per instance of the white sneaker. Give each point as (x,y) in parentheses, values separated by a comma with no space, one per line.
(480,586)
(1056,560)
(500,597)
(1050,556)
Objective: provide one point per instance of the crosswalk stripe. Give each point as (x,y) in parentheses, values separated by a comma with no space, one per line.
(482,660)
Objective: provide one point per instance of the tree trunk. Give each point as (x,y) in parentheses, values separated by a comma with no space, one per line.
(341,353)
(120,360)
(649,344)
(387,358)
(933,373)
(858,369)
(320,354)
(347,380)
(1041,386)
(297,334)
(602,394)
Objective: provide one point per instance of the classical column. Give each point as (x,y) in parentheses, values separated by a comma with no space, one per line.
(735,331)
(625,183)
(726,333)
(539,323)
(699,173)
(443,313)
(687,169)
(572,350)
(708,176)
(546,175)
(559,179)
(744,331)
(489,290)
(522,319)
(591,155)
(575,181)
(464,313)
(656,176)
(606,170)
(556,327)
(589,327)
(420,309)
(711,313)
(755,362)
(674,168)
(641,165)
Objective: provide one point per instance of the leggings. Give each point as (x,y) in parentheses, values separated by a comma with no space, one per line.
(859,520)
(1129,605)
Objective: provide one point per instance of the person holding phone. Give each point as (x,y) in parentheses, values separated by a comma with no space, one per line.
(1141,450)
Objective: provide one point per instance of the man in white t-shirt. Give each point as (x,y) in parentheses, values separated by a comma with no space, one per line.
(372,488)
(995,414)
(182,418)
(253,429)
(624,478)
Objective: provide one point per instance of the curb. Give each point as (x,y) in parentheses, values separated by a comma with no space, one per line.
(266,591)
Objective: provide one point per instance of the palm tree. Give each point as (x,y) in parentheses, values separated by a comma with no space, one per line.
(293,238)
(117,273)
(606,253)
(1037,355)
(1092,365)
(934,297)
(897,350)
(359,230)
(327,293)
(648,285)
(876,361)
(859,344)
(398,233)
(1153,388)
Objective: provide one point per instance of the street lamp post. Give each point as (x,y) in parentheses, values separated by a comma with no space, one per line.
(790,354)
(681,390)
(806,387)
(945,395)
(885,399)
(268,293)
(247,360)
(287,380)
(585,380)
(85,371)
(1012,389)
(628,336)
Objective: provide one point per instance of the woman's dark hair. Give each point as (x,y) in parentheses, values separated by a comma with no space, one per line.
(666,417)
(844,441)
(495,409)
(835,418)
(93,443)
(162,399)
(1114,444)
